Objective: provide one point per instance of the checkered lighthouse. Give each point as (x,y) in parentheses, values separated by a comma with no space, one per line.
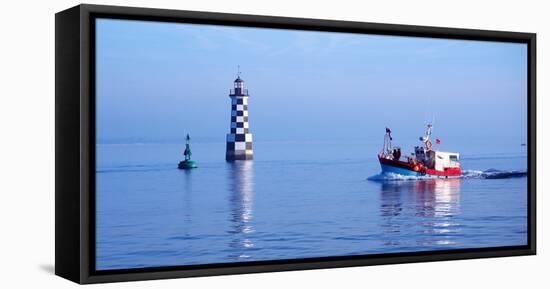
(239,140)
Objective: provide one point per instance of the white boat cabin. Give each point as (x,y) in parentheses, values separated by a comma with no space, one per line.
(446,160)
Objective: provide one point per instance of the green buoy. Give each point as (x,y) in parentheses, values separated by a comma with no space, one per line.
(187,163)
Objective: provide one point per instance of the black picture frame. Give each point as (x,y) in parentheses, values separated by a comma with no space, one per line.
(75,142)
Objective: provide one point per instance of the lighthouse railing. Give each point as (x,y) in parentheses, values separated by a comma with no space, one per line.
(238,91)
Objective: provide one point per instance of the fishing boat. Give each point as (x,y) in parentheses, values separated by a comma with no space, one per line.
(425,161)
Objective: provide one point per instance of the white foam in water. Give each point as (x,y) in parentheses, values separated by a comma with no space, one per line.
(472,174)
(466,174)
(396,177)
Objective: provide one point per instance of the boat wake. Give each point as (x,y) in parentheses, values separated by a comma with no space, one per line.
(381,177)
(494,174)
(466,174)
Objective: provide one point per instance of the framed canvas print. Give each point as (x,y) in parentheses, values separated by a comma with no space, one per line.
(193,144)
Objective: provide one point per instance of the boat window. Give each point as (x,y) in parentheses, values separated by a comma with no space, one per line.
(453,158)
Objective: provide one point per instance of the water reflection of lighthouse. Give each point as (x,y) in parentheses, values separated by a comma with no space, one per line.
(241,185)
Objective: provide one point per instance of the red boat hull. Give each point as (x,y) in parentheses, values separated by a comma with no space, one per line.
(410,169)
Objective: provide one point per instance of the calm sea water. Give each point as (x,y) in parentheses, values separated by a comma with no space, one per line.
(295,200)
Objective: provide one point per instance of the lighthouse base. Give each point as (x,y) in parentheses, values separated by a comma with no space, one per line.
(239,147)
(238,155)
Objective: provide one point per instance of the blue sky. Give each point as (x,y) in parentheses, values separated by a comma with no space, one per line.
(157,81)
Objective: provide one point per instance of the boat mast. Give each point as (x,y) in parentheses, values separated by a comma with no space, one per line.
(426,138)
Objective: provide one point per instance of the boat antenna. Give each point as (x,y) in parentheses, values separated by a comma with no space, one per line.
(430,109)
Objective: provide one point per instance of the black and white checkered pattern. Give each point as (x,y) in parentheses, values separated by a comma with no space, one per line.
(239,140)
